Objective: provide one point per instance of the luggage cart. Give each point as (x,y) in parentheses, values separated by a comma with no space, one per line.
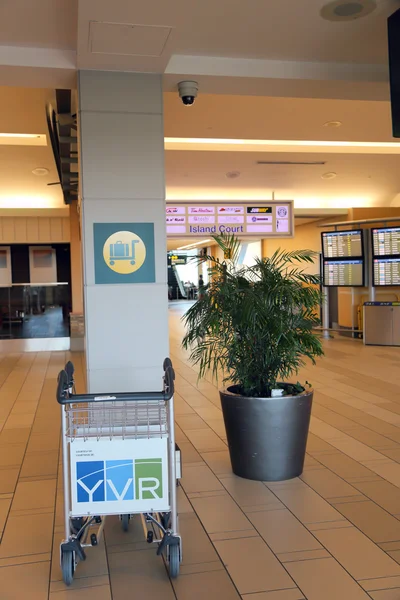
(120,251)
(119,458)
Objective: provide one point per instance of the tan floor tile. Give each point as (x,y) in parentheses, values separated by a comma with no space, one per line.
(25,535)
(11,455)
(83,582)
(199,479)
(357,554)
(325,579)
(189,454)
(393,453)
(233,535)
(389,470)
(327,484)
(316,445)
(187,422)
(249,493)
(292,594)
(305,504)
(383,493)
(371,438)
(44,443)
(205,440)
(372,520)
(382,583)
(218,426)
(211,585)
(197,548)
(219,462)
(19,421)
(4,508)
(25,581)
(344,466)
(305,555)
(252,566)
(184,505)
(40,463)
(219,514)
(386,594)
(102,592)
(329,525)
(8,480)
(143,572)
(283,532)
(33,495)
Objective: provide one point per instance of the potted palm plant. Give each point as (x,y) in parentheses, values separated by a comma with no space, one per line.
(255,327)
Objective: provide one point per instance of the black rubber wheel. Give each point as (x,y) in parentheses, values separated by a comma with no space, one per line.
(174,561)
(125,522)
(67,566)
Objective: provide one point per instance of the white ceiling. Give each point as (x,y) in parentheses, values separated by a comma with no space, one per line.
(279,48)
(267,70)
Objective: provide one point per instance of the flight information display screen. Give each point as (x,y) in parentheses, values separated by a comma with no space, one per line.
(386,241)
(342,244)
(386,271)
(343,273)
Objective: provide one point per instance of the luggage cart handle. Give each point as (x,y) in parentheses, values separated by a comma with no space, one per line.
(66,382)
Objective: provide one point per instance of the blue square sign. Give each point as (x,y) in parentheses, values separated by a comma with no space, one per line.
(124,253)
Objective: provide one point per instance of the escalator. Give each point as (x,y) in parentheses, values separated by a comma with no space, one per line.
(176,288)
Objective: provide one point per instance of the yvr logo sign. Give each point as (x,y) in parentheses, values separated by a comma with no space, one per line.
(116,480)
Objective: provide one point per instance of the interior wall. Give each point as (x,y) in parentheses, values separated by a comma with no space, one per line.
(35,230)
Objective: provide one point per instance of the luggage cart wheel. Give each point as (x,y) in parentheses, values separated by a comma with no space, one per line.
(93,539)
(67,566)
(150,537)
(125,522)
(174,561)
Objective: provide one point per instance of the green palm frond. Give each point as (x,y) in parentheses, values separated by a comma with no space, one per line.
(255,324)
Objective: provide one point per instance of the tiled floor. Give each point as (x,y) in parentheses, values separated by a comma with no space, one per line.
(333,534)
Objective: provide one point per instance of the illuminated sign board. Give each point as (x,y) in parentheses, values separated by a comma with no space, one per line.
(244,219)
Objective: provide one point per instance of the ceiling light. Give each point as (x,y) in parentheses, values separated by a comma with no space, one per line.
(292,163)
(295,146)
(40,171)
(19,135)
(331,175)
(193,245)
(232,174)
(23,139)
(347,10)
(333,124)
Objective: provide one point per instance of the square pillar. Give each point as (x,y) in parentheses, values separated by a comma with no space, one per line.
(123,230)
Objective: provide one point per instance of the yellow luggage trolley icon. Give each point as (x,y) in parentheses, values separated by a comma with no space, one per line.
(120,251)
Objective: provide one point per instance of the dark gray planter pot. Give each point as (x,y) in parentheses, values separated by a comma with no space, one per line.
(267,437)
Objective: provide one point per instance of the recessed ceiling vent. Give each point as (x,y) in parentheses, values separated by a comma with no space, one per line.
(125,39)
(347,10)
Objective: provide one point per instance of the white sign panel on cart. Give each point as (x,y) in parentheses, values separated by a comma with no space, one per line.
(117,476)
(263,219)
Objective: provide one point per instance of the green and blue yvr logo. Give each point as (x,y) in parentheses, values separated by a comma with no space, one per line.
(116,480)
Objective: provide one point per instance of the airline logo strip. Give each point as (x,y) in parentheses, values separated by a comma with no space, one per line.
(253,219)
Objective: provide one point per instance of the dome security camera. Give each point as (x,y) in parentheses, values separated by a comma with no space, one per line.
(188,91)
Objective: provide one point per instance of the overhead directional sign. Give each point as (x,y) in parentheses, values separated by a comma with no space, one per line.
(245,219)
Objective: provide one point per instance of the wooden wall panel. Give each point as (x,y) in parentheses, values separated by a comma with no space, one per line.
(34,230)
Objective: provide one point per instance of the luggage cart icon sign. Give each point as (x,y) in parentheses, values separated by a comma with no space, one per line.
(120,251)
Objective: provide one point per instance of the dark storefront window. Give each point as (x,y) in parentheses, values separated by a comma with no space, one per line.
(29,310)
